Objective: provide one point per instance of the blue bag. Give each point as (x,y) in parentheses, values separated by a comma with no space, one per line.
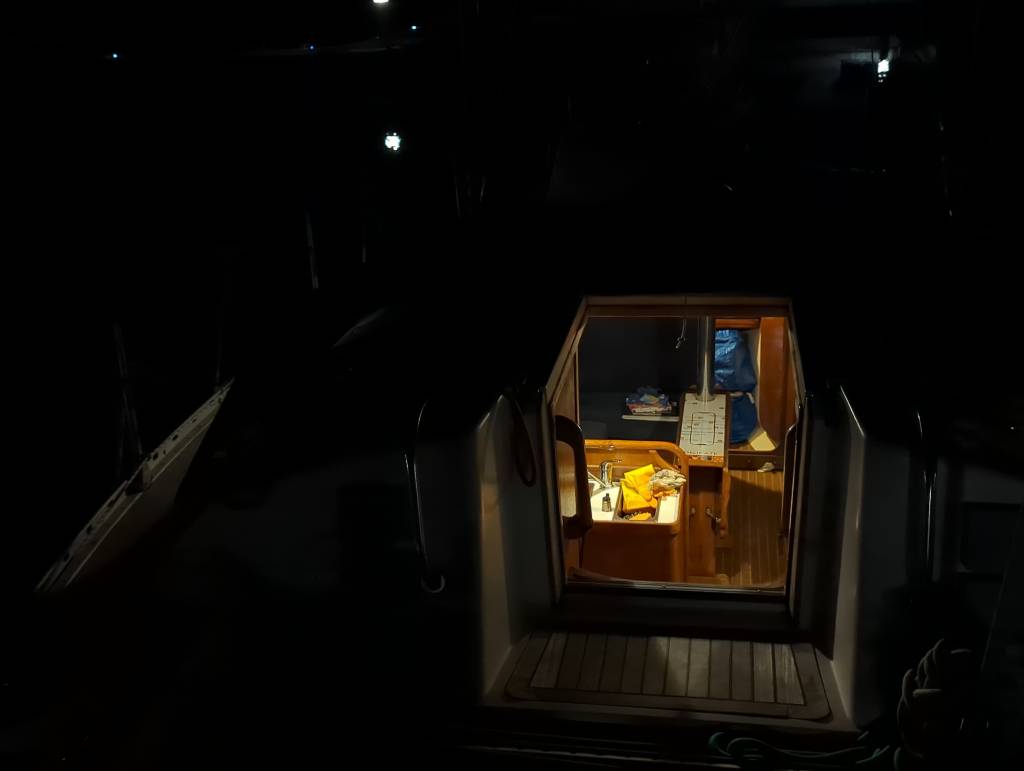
(743,419)
(734,369)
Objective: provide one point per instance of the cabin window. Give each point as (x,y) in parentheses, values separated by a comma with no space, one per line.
(691,478)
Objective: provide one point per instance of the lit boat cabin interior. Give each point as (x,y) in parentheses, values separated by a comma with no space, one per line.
(688,418)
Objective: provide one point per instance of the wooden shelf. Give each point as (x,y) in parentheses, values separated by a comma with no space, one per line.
(652,418)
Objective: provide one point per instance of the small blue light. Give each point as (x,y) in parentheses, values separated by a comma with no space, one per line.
(114,55)
(311,47)
(414,28)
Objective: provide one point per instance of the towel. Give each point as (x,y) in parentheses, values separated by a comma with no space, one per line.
(636,490)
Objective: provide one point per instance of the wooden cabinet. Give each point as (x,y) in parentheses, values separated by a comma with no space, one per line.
(636,550)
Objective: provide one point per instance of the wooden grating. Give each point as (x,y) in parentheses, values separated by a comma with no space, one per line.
(675,673)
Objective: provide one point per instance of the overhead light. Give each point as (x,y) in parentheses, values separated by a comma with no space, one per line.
(115,55)
(883,67)
(380,2)
(392,141)
(414,28)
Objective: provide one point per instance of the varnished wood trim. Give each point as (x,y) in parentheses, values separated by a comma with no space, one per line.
(798,367)
(568,349)
(682,311)
(737,323)
(697,300)
(773,372)
(680,458)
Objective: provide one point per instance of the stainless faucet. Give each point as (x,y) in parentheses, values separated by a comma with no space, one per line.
(606,472)
(605,480)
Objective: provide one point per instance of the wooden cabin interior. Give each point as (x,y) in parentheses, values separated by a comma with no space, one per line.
(731,435)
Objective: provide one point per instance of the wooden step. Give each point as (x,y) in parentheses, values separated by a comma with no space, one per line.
(673,673)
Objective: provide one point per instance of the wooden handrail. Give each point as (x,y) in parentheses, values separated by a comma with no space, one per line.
(567,431)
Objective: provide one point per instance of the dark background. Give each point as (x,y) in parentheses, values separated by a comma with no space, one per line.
(219,195)
(547,149)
